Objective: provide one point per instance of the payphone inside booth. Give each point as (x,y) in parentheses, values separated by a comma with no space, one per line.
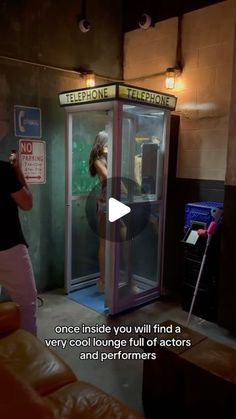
(136,122)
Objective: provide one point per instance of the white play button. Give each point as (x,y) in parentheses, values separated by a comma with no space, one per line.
(135,217)
(117,210)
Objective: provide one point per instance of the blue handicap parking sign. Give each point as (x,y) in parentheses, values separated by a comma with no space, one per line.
(27,121)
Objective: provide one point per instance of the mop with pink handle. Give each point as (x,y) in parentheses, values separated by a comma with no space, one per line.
(216,214)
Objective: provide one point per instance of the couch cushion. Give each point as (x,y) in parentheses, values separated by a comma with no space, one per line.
(37,365)
(17,399)
(85,401)
(9,317)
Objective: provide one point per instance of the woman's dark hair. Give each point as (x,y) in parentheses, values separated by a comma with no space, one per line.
(101,140)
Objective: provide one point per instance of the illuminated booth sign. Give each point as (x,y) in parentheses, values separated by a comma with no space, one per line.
(117,91)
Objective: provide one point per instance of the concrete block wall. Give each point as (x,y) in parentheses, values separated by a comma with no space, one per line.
(204,86)
(149,52)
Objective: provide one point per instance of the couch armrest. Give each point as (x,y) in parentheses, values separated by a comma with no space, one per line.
(36,364)
(9,317)
(17,398)
(81,400)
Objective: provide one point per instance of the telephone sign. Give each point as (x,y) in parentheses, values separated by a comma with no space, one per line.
(27,121)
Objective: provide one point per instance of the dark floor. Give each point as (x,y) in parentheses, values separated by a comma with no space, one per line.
(121,378)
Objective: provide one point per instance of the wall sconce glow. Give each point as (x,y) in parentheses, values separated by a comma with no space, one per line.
(193,106)
(172,74)
(89,79)
(179,84)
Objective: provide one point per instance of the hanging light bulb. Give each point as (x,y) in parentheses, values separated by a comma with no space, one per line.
(89,79)
(170,78)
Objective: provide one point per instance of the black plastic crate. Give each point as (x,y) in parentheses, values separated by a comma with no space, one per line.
(200,212)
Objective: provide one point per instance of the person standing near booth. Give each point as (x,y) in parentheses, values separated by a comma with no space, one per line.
(98,166)
(16,273)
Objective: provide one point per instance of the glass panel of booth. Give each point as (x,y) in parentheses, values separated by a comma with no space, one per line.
(84,239)
(135,264)
(143,147)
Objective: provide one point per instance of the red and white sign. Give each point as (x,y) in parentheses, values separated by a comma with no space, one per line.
(32,156)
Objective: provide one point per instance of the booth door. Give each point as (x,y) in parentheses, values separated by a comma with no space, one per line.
(82,241)
(134,266)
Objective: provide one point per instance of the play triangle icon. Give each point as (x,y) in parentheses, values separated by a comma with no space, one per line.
(117,210)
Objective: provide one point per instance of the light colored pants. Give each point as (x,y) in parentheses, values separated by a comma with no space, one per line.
(16,276)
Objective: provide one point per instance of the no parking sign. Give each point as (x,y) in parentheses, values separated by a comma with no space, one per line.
(32,156)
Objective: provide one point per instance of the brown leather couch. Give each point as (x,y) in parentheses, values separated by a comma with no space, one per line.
(36,384)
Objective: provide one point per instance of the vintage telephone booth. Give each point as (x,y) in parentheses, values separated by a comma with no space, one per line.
(137,123)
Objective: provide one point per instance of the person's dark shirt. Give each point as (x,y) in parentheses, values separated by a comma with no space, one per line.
(10,227)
